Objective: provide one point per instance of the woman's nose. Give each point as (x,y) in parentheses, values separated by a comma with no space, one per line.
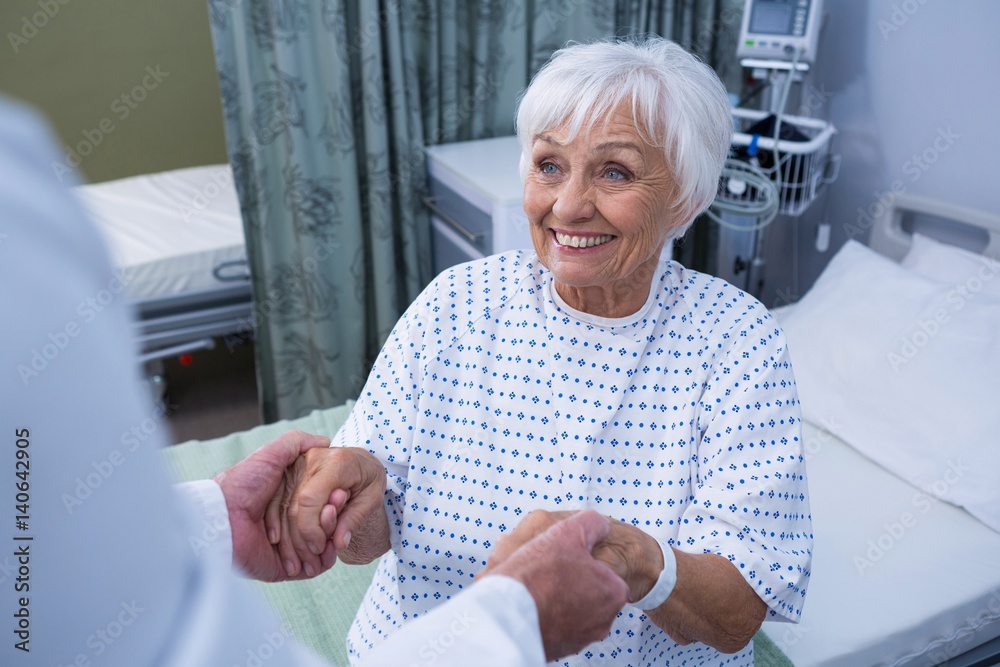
(574,201)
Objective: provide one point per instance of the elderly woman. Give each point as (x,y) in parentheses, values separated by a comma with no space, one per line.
(591,373)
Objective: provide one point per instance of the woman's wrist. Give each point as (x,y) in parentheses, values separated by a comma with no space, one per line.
(648,567)
(661,582)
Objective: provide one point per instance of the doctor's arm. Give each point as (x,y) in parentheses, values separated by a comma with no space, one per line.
(111,575)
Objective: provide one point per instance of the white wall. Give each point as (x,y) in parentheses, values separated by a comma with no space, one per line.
(913,87)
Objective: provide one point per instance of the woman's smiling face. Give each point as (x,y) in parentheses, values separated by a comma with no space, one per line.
(600,210)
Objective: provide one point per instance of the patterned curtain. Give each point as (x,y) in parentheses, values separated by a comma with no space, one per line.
(328,104)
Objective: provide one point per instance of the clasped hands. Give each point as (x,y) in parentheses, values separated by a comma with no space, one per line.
(284,528)
(329,502)
(296,506)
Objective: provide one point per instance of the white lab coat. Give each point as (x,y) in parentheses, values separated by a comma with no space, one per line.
(95,566)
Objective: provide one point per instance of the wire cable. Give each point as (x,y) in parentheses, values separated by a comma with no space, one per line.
(780,110)
(757,90)
(765,205)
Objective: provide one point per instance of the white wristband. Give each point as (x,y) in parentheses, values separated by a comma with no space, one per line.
(664,585)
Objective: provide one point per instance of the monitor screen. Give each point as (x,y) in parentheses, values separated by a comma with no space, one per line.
(772,18)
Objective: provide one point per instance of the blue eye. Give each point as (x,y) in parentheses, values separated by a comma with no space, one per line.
(615,174)
(548,168)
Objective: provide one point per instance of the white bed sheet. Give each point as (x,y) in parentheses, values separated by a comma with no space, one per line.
(898,577)
(167,231)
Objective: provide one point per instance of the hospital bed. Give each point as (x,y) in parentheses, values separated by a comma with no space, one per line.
(897,365)
(899,576)
(176,240)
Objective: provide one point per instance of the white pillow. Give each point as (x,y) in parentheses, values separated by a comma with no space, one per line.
(906,372)
(964,271)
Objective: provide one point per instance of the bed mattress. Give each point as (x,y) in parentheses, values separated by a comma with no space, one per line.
(898,578)
(167,232)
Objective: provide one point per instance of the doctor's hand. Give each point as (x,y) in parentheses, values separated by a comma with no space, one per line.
(253,489)
(334,498)
(577,596)
(531,526)
(711,602)
(633,555)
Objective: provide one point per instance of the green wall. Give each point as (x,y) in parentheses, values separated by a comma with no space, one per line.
(130,82)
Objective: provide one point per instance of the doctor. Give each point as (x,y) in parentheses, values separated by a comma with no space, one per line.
(95,566)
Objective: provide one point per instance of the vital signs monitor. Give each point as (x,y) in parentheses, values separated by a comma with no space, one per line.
(776,29)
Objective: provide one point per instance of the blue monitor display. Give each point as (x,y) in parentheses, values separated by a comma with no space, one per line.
(773,18)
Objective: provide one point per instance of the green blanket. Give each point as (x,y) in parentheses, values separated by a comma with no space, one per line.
(320,611)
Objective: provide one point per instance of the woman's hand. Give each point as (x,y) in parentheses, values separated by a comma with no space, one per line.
(253,489)
(332,495)
(634,555)
(711,603)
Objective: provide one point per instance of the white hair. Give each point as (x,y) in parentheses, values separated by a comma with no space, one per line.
(678,104)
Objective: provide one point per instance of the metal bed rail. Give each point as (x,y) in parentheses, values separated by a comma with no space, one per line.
(170,325)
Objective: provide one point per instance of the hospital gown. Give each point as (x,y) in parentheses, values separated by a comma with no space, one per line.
(492,398)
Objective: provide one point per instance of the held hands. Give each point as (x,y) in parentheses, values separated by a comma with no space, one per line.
(630,553)
(577,597)
(295,503)
(252,489)
(332,502)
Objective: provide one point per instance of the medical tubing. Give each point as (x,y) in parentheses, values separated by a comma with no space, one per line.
(779,112)
(765,208)
(767,211)
(757,90)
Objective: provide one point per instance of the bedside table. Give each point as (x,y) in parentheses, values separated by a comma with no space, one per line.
(475,200)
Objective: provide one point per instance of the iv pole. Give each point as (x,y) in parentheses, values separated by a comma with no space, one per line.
(782,75)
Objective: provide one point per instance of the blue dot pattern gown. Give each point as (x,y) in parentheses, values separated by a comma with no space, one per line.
(492,398)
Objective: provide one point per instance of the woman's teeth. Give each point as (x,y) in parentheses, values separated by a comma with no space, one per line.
(582,241)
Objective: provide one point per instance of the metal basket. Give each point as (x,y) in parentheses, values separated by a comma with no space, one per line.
(804,163)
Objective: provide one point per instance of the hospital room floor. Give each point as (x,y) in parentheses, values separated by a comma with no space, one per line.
(213,395)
